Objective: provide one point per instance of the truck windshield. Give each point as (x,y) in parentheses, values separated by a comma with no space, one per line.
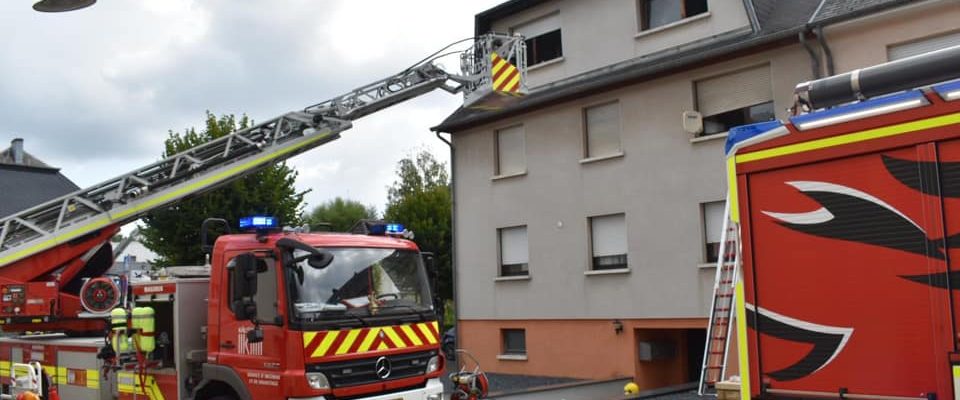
(359,283)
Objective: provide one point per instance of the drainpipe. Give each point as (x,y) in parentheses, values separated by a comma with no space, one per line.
(453,236)
(814,58)
(826,50)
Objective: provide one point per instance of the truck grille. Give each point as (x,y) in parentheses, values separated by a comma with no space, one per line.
(363,371)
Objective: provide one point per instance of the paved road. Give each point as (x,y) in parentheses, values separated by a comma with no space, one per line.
(609,390)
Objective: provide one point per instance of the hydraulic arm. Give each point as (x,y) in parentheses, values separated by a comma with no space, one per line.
(53,246)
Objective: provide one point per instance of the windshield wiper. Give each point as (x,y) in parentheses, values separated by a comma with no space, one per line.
(423,314)
(328,309)
(357,317)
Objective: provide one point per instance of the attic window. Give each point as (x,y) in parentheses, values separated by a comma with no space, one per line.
(657,13)
(542,37)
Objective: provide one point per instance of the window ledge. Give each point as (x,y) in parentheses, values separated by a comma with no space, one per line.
(512,278)
(671,25)
(706,265)
(544,64)
(507,176)
(607,271)
(512,357)
(601,158)
(707,138)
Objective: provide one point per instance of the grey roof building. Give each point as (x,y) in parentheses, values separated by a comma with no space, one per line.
(25,181)
(587,215)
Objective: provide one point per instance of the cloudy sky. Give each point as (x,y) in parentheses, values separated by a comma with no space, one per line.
(95,91)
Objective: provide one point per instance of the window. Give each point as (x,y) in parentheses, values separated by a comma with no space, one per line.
(656,13)
(602,130)
(513,251)
(514,341)
(739,98)
(921,46)
(511,151)
(543,39)
(712,229)
(608,242)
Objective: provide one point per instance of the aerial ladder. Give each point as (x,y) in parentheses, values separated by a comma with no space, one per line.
(50,252)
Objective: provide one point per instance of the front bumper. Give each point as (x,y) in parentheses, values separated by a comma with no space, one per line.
(433,391)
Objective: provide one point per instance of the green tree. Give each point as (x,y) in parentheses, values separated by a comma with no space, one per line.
(420,199)
(174,232)
(340,213)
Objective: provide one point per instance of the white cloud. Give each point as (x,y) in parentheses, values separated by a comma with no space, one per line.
(94,92)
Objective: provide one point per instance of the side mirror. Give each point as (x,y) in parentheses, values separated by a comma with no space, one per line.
(244,283)
(205,246)
(430,261)
(315,258)
(320,260)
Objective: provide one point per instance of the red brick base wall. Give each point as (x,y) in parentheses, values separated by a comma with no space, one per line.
(587,349)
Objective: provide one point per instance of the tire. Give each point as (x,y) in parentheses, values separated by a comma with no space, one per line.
(222,397)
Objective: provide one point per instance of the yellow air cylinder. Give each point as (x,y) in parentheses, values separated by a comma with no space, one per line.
(144,326)
(118,324)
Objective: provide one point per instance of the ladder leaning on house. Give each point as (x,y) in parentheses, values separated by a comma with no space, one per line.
(722,307)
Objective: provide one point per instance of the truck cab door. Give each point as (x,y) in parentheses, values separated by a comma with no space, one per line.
(257,364)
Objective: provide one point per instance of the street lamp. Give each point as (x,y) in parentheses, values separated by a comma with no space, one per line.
(61,5)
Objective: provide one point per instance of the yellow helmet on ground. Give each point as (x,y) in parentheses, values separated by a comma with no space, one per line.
(631,388)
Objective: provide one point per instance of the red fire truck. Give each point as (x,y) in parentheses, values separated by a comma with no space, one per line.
(275,314)
(846,223)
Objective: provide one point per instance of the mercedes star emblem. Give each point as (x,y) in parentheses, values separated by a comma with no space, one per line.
(383,367)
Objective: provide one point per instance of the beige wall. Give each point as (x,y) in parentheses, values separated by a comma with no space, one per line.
(659,184)
(599,33)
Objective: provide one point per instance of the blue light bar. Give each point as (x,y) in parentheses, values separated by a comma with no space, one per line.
(394,228)
(385,229)
(258,222)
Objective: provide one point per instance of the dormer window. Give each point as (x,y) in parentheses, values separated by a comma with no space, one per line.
(657,13)
(543,39)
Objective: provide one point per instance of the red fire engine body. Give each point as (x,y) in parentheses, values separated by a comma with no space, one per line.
(849,241)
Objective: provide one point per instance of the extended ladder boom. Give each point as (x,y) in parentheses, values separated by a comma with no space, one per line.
(129,196)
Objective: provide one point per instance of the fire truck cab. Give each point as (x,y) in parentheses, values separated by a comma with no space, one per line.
(275,315)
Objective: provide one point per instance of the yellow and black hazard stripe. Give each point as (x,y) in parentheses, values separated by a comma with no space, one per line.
(504,75)
(351,341)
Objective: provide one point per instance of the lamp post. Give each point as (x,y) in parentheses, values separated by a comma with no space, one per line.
(62,5)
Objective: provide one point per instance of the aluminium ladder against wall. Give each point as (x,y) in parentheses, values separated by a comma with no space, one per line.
(721,307)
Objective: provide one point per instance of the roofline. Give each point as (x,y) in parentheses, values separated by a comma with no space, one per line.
(482,21)
(571,91)
(23,167)
(862,12)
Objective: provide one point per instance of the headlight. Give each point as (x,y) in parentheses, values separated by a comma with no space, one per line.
(317,380)
(434,364)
